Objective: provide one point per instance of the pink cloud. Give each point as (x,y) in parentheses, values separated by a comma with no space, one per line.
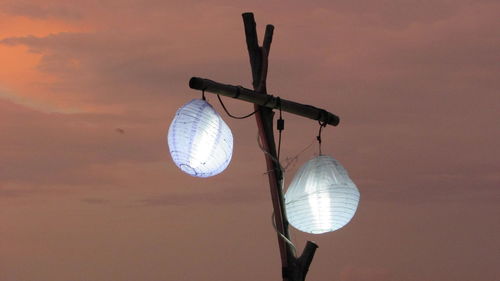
(414,82)
(355,273)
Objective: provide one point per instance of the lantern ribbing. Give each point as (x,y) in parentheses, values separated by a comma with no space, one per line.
(200,142)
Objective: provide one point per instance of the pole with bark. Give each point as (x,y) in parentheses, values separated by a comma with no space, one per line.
(294,268)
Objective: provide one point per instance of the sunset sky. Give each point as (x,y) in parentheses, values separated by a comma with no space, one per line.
(88,191)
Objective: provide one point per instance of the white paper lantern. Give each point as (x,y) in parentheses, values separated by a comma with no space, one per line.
(200,142)
(321,197)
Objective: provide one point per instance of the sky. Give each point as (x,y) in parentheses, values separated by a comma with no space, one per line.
(88,190)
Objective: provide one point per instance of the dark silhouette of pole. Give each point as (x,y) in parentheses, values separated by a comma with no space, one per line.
(293,268)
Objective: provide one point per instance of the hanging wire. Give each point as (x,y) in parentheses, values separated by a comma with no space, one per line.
(321,126)
(288,241)
(281,187)
(232,116)
(290,161)
(273,158)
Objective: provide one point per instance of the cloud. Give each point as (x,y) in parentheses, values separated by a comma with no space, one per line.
(390,80)
(8,192)
(229,195)
(44,10)
(95,201)
(106,69)
(50,148)
(414,82)
(359,273)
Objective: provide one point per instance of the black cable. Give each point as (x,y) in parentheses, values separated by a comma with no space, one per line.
(280,126)
(279,144)
(232,116)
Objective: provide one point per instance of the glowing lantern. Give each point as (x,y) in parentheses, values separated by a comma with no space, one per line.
(321,197)
(200,142)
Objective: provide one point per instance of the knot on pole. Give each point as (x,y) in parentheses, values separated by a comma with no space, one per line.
(322,115)
(238,92)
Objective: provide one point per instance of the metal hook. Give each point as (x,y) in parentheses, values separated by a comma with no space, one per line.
(318,137)
(203,95)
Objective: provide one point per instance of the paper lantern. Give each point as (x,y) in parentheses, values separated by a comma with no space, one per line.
(200,142)
(321,197)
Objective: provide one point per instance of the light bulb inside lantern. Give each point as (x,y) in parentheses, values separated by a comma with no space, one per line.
(199,141)
(321,197)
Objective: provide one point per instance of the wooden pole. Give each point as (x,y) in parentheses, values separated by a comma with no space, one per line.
(293,269)
(264,117)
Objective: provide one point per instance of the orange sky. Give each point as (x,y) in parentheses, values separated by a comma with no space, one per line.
(414,82)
